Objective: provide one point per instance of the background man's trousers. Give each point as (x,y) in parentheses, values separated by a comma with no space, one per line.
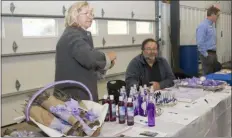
(210,63)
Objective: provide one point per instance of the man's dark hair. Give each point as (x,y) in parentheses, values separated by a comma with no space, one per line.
(212,10)
(149,40)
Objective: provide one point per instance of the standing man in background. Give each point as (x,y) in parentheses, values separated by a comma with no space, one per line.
(206,41)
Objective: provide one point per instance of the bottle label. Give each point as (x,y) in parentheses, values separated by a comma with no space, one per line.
(108,113)
(122,110)
(134,104)
(122,113)
(130,114)
(113,110)
(151,117)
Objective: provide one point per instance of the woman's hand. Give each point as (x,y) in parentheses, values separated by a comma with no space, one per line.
(111,55)
(112,64)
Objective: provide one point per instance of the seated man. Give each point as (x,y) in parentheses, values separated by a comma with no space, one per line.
(147,68)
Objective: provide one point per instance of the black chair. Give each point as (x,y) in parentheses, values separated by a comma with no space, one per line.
(181,75)
(113,88)
(217,67)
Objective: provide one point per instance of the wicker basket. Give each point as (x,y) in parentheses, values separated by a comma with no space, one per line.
(27,113)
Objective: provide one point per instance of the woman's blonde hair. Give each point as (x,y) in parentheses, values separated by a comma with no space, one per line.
(72,13)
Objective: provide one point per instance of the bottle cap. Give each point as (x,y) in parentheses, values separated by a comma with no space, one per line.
(111,97)
(142,92)
(120,98)
(145,86)
(134,91)
(132,87)
(129,100)
(105,96)
(131,91)
(152,88)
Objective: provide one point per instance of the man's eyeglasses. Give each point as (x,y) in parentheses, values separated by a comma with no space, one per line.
(149,49)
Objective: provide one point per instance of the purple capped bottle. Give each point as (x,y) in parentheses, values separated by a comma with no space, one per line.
(151,112)
(135,102)
(140,101)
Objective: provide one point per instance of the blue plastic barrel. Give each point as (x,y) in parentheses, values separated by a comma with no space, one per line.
(189,59)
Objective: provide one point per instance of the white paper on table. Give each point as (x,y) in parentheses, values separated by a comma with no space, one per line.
(227,89)
(215,98)
(175,117)
(141,132)
(196,108)
(110,129)
(160,126)
(189,94)
(141,120)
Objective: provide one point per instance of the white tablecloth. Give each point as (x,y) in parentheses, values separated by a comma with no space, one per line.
(198,118)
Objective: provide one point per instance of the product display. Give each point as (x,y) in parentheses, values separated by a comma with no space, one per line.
(151,112)
(73,117)
(130,112)
(139,103)
(59,114)
(165,98)
(106,101)
(64,116)
(112,109)
(121,111)
(201,82)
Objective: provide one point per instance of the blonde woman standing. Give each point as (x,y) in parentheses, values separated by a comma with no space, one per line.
(76,58)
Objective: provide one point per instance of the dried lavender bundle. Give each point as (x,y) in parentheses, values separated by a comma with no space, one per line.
(57,123)
(66,108)
(45,97)
(47,101)
(73,104)
(77,130)
(88,117)
(46,118)
(60,109)
(82,115)
(63,96)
